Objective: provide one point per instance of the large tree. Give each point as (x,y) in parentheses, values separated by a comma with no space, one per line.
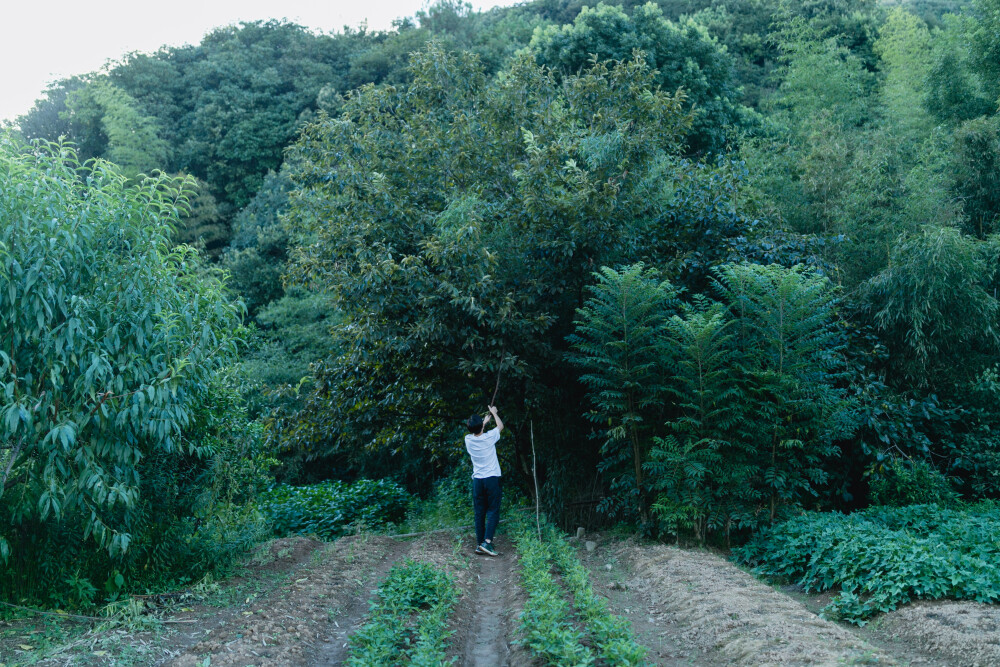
(684,55)
(456,223)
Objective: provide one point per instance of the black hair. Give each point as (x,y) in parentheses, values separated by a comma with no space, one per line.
(475,424)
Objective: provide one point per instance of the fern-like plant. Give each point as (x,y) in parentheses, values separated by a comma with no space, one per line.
(619,345)
(704,467)
(791,343)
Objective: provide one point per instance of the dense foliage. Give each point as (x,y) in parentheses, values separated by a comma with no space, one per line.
(445,278)
(725,262)
(330,509)
(685,56)
(118,433)
(899,482)
(732,407)
(883,557)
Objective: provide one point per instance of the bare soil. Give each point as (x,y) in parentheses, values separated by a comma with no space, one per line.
(693,607)
(310,614)
(483,623)
(955,634)
(297,601)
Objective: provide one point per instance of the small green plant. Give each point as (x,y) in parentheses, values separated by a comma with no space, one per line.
(546,623)
(447,505)
(408,620)
(612,634)
(330,509)
(884,556)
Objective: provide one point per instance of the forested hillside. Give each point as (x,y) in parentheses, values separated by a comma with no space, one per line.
(722,263)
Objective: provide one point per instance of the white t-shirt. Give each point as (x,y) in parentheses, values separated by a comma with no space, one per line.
(483,450)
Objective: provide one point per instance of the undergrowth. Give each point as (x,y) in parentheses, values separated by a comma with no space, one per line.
(409,619)
(331,509)
(883,557)
(449,505)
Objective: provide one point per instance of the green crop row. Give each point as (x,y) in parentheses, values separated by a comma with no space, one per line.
(611,633)
(548,621)
(330,509)
(885,556)
(408,623)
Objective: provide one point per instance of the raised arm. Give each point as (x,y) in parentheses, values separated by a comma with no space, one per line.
(493,411)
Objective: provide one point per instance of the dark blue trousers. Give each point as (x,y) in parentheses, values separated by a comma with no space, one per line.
(486,502)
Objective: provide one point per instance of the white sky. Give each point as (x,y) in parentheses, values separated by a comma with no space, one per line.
(46,40)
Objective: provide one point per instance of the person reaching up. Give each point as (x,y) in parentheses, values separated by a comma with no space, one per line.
(485,479)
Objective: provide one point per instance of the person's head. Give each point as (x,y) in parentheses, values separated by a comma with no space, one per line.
(475,424)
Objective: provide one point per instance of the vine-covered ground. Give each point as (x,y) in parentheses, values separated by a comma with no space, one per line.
(429,600)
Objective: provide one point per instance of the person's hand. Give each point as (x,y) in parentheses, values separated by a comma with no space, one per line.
(487,420)
(493,410)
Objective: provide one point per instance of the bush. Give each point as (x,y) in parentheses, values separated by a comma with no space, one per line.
(330,509)
(884,556)
(899,483)
(124,460)
(194,516)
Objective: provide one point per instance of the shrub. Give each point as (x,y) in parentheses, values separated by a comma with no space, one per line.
(910,482)
(117,429)
(329,509)
(884,556)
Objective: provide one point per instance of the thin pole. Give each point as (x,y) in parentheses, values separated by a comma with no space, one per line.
(534,473)
(493,401)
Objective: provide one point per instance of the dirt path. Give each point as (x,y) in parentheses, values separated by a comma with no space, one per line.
(333,648)
(489,625)
(298,601)
(309,620)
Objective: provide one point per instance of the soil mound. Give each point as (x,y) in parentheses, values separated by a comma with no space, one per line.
(719,609)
